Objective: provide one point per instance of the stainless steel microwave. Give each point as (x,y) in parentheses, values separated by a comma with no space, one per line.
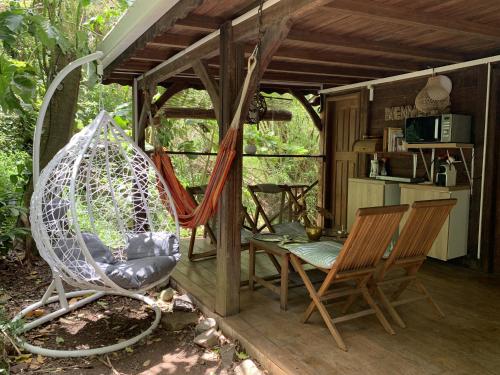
(444,128)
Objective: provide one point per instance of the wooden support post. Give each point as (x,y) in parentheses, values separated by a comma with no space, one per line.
(211,86)
(309,109)
(143,119)
(173,89)
(227,296)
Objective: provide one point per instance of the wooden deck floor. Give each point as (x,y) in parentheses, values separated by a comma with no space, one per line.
(467,341)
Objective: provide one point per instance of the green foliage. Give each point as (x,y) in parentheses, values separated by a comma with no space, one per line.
(6,325)
(113,98)
(297,137)
(15,170)
(34,36)
(8,333)
(17,85)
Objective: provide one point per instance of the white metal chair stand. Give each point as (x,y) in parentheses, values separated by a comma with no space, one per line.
(99,221)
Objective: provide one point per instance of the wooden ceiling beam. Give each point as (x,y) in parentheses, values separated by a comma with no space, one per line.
(265,85)
(364,45)
(200,23)
(167,21)
(308,63)
(176,41)
(327,70)
(409,17)
(244,28)
(280,76)
(209,114)
(335,59)
(209,24)
(173,40)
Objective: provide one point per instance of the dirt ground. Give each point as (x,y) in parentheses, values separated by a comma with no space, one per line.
(104,322)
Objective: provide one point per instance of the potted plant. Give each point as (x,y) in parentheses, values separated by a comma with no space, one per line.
(250,147)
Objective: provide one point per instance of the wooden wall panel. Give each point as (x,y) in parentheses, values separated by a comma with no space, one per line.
(467,97)
(492,187)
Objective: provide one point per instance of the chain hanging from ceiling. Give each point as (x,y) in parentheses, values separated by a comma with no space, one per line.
(258,106)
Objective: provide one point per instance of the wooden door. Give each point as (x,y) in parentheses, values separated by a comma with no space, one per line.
(343,114)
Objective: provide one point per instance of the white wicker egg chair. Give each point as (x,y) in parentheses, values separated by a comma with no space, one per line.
(99,221)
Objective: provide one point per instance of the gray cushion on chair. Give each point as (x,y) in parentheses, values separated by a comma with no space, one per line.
(56,209)
(99,251)
(151,257)
(69,249)
(321,254)
(139,273)
(150,244)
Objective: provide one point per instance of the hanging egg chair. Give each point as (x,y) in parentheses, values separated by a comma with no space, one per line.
(100,222)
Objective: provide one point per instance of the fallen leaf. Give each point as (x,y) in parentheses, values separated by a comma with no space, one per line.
(26,358)
(74,300)
(35,313)
(146,363)
(128,349)
(34,366)
(242,356)
(34,273)
(40,359)
(102,304)
(59,340)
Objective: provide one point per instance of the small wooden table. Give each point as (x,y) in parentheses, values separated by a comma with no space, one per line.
(283,266)
(275,251)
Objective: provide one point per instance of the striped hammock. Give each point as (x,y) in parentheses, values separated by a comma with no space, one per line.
(190,214)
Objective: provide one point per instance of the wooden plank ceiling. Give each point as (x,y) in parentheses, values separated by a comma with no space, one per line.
(342,42)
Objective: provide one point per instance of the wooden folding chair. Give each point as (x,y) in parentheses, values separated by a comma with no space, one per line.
(356,261)
(287,211)
(248,228)
(425,220)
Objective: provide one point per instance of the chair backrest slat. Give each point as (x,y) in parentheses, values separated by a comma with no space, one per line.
(272,202)
(425,221)
(369,238)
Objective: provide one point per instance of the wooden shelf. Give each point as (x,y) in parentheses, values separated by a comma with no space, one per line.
(438,145)
(389,153)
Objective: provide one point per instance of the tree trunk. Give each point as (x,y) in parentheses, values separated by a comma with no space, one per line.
(58,124)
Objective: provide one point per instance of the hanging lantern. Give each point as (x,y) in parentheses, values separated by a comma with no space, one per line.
(438,87)
(257,110)
(424,103)
(434,98)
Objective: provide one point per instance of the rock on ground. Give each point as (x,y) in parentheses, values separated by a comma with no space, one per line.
(227,356)
(247,367)
(177,321)
(207,339)
(166,295)
(205,325)
(183,303)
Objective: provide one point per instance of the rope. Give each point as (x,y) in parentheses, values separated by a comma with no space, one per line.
(190,214)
